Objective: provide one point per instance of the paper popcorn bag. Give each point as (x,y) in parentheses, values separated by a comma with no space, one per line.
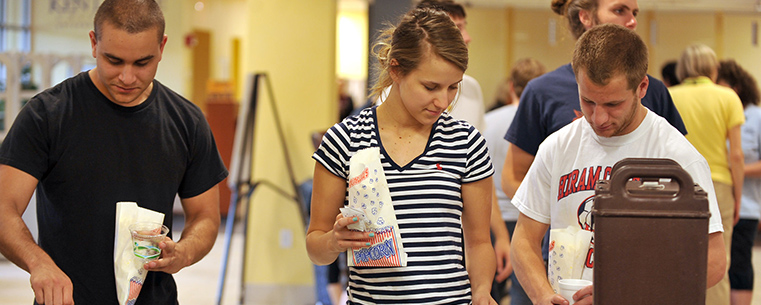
(370,201)
(128,268)
(567,254)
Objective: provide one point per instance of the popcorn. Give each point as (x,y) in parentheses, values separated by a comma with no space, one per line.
(370,202)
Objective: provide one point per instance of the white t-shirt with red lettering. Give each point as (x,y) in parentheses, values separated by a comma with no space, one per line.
(559,186)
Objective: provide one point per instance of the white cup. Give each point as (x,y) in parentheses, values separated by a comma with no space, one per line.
(568,287)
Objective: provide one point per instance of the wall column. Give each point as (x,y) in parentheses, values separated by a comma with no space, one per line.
(294,43)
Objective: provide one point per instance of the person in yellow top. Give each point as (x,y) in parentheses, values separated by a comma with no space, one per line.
(713,116)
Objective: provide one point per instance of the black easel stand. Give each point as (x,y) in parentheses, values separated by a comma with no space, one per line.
(243,186)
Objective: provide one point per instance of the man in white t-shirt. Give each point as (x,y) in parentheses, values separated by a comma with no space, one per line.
(610,64)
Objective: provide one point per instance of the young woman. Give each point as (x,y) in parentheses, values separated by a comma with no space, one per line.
(744,234)
(437,168)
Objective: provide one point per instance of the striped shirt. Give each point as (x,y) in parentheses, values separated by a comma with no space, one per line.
(427,199)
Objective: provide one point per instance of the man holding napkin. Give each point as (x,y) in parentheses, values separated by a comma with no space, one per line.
(107,135)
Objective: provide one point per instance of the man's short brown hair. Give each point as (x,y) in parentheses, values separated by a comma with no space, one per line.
(606,50)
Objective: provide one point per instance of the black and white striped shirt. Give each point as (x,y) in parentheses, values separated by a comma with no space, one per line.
(427,199)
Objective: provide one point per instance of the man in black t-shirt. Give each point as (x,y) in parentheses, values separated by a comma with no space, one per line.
(107,135)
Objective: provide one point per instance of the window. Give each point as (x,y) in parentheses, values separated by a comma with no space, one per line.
(15,25)
(15,36)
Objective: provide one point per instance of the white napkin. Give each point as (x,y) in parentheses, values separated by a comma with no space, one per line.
(128,268)
(567,254)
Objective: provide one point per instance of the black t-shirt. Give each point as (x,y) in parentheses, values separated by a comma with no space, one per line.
(89,153)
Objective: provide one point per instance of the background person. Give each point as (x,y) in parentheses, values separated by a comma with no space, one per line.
(610,63)
(668,72)
(107,135)
(503,96)
(438,172)
(744,233)
(713,116)
(497,122)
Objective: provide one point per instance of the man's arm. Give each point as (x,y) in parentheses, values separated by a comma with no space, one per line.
(198,236)
(49,283)
(517,163)
(526,252)
(717,259)
(736,166)
(501,240)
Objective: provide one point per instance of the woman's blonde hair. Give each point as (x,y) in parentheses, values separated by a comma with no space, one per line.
(697,60)
(420,32)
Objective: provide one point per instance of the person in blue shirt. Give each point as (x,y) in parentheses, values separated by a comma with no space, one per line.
(741,275)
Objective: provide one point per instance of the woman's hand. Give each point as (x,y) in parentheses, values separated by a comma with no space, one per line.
(343,238)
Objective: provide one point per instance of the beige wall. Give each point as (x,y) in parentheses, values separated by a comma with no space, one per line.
(675,31)
(225,20)
(738,43)
(532,37)
(503,36)
(487,50)
(294,42)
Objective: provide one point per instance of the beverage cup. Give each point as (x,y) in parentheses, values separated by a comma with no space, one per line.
(146,237)
(568,287)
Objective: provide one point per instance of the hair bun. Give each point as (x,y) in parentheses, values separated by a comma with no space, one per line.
(559,6)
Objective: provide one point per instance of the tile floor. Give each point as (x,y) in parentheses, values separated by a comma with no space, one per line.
(198,284)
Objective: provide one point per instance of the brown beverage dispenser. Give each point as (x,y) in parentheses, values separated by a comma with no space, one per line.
(650,235)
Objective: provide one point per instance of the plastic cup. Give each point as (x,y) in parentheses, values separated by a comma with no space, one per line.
(146,237)
(568,287)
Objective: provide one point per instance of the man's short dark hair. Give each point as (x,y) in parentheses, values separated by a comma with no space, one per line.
(132,16)
(606,50)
